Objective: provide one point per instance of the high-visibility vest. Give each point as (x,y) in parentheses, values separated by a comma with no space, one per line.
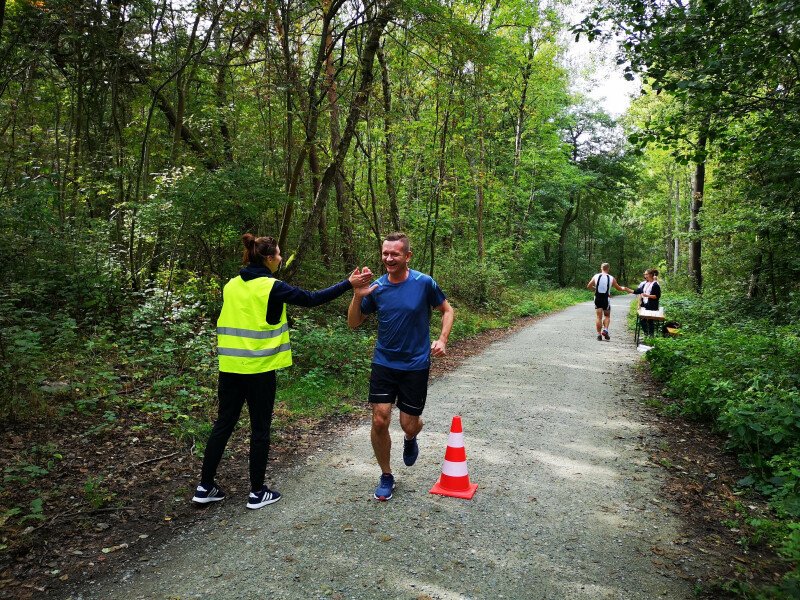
(246,343)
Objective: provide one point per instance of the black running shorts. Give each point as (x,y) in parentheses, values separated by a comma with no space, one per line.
(409,388)
(602,302)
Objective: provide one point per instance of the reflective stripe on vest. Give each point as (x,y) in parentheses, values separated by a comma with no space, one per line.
(238,352)
(246,343)
(252,333)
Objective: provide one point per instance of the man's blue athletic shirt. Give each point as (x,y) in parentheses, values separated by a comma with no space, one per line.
(404,320)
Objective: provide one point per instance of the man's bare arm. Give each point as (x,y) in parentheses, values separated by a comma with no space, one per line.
(439,347)
(354,315)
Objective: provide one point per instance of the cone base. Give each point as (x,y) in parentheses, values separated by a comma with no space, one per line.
(466,494)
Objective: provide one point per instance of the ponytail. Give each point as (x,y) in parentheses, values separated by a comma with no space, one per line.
(256,249)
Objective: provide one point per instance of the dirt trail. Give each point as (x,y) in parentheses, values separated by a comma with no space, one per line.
(567,505)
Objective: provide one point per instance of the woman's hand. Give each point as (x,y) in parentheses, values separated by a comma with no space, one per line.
(360,278)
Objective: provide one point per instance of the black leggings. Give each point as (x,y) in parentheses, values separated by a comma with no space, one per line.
(648,325)
(234,389)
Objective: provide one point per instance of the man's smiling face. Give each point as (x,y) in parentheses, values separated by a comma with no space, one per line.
(395,258)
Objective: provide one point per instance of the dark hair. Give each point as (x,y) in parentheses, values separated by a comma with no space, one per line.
(653,272)
(256,249)
(399,236)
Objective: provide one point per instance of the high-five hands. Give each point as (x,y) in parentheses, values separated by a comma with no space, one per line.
(360,279)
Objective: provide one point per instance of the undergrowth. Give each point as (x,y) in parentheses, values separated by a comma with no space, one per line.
(733,367)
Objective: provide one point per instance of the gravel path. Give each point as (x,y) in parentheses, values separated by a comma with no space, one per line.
(567,504)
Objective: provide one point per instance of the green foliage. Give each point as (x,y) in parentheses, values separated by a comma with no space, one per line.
(204,213)
(739,373)
(330,347)
(36,463)
(318,394)
(96,492)
(533,301)
(116,230)
(330,370)
(515,301)
(36,510)
(478,285)
(21,352)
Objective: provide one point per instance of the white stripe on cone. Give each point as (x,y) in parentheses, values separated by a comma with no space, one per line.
(455,469)
(455,440)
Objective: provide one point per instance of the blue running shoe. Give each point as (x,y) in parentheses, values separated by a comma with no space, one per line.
(385,487)
(263,497)
(205,494)
(410,451)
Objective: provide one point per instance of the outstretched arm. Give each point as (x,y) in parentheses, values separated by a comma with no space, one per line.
(289,294)
(621,288)
(439,347)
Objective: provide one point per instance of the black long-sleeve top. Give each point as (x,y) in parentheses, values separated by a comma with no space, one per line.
(283,293)
(652,303)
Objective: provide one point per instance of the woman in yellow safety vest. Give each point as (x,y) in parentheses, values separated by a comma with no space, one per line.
(252,342)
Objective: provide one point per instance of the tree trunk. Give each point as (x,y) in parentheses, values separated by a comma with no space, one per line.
(2,16)
(342,200)
(391,186)
(771,261)
(521,109)
(480,179)
(676,245)
(569,218)
(440,180)
(699,182)
(668,221)
(370,48)
(324,245)
(311,112)
(755,277)
(222,105)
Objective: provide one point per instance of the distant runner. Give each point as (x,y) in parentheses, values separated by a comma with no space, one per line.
(403,299)
(602,284)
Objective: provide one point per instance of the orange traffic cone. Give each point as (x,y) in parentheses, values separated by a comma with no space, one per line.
(455,480)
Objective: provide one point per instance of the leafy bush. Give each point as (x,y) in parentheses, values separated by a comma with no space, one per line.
(534,300)
(331,348)
(479,286)
(740,373)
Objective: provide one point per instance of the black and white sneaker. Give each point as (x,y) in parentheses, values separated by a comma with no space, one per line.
(205,494)
(606,334)
(599,338)
(263,497)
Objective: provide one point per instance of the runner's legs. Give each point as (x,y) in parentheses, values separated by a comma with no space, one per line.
(381,440)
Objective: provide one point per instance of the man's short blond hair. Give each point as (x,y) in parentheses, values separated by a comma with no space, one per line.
(605,267)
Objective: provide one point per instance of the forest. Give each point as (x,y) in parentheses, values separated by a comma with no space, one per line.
(139,139)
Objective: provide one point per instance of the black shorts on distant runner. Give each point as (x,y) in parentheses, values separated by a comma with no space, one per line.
(409,388)
(602,302)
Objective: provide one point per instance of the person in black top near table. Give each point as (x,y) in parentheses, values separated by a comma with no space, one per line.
(650,293)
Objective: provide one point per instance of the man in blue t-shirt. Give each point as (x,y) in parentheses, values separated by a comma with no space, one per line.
(404,300)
